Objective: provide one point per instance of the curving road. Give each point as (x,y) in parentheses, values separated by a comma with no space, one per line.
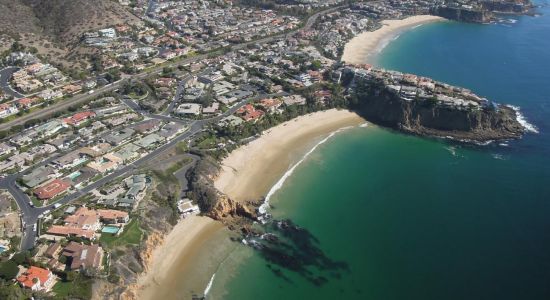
(30,214)
(5,75)
(78,99)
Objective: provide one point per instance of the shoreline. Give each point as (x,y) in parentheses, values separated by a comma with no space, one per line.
(364,47)
(184,253)
(252,170)
(197,245)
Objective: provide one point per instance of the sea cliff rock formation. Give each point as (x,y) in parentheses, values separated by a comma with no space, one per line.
(423,106)
(226,209)
(480,11)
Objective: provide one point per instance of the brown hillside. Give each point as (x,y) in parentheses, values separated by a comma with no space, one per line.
(54,27)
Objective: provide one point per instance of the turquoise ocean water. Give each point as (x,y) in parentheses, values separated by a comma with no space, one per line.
(416,218)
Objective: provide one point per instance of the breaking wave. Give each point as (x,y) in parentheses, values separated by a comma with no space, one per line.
(263,208)
(522,120)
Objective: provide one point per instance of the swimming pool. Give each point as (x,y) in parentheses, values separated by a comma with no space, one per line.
(110,229)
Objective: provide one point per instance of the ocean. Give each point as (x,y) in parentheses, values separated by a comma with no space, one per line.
(383,215)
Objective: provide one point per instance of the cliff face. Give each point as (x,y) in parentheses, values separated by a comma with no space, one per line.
(509,6)
(435,120)
(227,209)
(463,15)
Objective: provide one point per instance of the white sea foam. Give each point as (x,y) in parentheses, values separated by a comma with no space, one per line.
(498,156)
(521,119)
(364,125)
(263,208)
(209,286)
(452,150)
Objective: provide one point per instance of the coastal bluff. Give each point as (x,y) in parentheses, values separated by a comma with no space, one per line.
(422,106)
(482,11)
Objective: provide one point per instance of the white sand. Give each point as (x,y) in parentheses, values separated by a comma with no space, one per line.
(173,261)
(363,47)
(249,172)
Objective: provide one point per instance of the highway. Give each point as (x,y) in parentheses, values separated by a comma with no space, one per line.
(30,214)
(79,99)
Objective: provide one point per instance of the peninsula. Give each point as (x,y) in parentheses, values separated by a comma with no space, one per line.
(195,107)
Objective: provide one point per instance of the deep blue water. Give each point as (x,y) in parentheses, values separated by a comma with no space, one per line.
(417,218)
(508,63)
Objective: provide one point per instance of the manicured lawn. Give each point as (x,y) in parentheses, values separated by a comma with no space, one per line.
(131,235)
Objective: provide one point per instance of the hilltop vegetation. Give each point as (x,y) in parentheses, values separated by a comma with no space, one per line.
(54,27)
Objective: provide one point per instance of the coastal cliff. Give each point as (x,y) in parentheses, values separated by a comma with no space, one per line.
(511,6)
(422,106)
(482,11)
(463,14)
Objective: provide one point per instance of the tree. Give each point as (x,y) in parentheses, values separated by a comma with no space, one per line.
(21,258)
(12,291)
(316,65)
(96,62)
(112,75)
(17,47)
(8,270)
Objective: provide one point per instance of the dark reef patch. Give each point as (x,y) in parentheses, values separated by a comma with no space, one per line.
(286,246)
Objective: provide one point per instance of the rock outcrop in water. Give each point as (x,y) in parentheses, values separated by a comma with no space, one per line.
(423,106)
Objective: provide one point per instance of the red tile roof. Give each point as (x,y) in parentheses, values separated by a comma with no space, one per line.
(51,189)
(34,272)
(68,231)
(79,117)
(249,113)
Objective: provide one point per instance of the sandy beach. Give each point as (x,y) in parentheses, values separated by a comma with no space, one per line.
(183,263)
(363,47)
(250,171)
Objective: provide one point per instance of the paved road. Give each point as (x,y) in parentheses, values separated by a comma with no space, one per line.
(30,215)
(5,75)
(115,85)
(179,92)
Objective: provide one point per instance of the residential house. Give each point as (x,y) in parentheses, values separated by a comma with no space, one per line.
(83,257)
(250,113)
(147,127)
(294,99)
(119,137)
(149,141)
(106,163)
(128,152)
(7,110)
(79,118)
(37,279)
(6,149)
(270,105)
(171,129)
(69,160)
(38,176)
(212,109)
(111,216)
(26,103)
(51,189)
(189,109)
